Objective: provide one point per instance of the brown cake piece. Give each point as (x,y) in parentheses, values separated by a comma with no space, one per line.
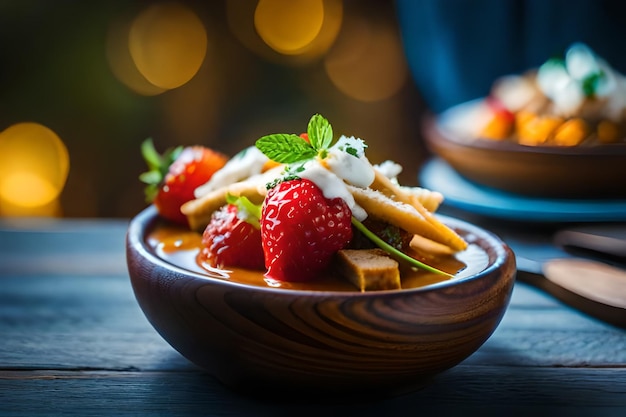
(369,269)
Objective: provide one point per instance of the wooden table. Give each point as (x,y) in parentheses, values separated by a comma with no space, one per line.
(73,341)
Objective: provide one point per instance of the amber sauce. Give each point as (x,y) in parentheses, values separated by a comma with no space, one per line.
(182,248)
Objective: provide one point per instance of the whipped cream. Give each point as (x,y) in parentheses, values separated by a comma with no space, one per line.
(247,163)
(345,163)
(566,82)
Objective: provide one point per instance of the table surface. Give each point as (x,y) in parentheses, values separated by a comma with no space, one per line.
(73,341)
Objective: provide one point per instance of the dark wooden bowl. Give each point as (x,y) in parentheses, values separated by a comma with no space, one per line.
(581,172)
(320,342)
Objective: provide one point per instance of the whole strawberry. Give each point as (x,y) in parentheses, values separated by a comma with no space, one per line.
(173,177)
(233,237)
(301,230)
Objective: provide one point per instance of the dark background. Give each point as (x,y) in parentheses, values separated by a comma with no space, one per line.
(54,71)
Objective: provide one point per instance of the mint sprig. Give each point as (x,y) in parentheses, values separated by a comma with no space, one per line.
(286,148)
(320,133)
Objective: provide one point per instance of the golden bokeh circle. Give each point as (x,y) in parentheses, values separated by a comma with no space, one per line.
(168,44)
(367,62)
(289,26)
(34,164)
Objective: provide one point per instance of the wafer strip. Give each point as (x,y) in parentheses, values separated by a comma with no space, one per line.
(199,211)
(422,245)
(399,214)
(431,200)
(443,234)
(389,188)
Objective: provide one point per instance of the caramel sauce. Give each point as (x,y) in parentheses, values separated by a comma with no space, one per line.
(182,247)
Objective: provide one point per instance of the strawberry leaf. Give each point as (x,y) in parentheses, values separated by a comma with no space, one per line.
(285,148)
(158,166)
(246,209)
(150,177)
(150,155)
(320,132)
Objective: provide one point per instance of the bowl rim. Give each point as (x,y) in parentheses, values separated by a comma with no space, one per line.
(436,124)
(144,220)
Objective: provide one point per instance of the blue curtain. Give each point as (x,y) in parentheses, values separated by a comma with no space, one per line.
(457,48)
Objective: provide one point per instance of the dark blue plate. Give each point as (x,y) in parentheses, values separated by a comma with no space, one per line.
(465,195)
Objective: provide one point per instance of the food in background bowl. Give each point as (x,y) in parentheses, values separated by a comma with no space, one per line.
(555,132)
(375,304)
(574,100)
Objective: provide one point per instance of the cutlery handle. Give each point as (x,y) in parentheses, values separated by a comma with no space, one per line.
(605,239)
(590,279)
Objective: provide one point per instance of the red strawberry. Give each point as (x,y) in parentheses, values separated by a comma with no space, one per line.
(233,237)
(175,175)
(499,109)
(302,230)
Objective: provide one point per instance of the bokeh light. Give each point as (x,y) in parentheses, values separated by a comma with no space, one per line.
(102,102)
(367,61)
(122,64)
(168,44)
(285,31)
(34,164)
(289,26)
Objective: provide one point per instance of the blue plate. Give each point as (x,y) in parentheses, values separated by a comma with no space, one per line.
(465,195)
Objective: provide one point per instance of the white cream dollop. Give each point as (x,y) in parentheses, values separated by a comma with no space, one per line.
(389,169)
(345,163)
(563,82)
(354,167)
(247,163)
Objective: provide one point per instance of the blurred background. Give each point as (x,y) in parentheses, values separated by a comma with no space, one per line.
(97,78)
(82,84)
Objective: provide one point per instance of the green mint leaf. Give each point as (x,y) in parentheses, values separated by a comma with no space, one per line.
(320,132)
(285,148)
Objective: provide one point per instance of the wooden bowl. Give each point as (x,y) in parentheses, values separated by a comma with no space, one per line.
(581,172)
(329,343)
